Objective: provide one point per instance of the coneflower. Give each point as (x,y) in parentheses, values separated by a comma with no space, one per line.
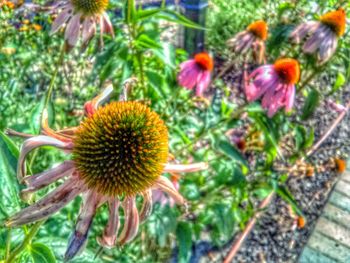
(322,35)
(81,18)
(252,39)
(119,151)
(275,83)
(196,73)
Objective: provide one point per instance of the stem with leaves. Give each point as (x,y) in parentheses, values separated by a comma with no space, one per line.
(27,240)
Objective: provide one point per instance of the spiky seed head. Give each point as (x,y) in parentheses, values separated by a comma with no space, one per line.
(336,20)
(121,149)
(90,7)
(288,70)
(204,61)
(259,29)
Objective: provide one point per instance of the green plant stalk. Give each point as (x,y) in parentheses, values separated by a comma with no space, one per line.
(18,250)
(52,82)
(8,244)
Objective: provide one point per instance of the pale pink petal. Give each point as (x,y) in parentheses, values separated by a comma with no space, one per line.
(49,204)
(88,30)
(328,47)
(108,27)
(165,185)
(203,82)
(35,142)
(78,240)
(73,30)
(91,106)
(146,209)
(290,96)
(188,75)
(61,19)
(111,230)
(43,179)
(185,168)
(131,222)
(301,31)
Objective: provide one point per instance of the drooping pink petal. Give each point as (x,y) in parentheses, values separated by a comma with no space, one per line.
(203,82)
(111,230)
(33,143)
(73,30)
(185,168)
(61,19)
(290,96)
(327,47)
(43,179)
(131,222)
(91,106)
(146,209)
(276,102)
(88,30)
(301,31)
(188,74)
(165,185)
(78,240)
(107,24)
(49,204)
(260,85)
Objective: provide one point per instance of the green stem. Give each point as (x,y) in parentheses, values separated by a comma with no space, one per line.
(52,82)
(313,74)
(8,244)
(18,250)
(142,73)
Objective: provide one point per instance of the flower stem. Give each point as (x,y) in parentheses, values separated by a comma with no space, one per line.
(52,82)
(27,240)
(8,244)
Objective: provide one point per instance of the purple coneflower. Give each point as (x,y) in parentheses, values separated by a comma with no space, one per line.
(253,38)
(119,151)
(196,73)
(81,17)
(323,34)
(275,83)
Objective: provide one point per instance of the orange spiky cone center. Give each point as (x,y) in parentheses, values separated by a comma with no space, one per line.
(336,20)
(90,7)
(121,149)
(259,29)
(288,70)
(204,61)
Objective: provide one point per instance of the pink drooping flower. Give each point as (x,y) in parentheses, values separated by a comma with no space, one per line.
(322,36)
(196,73)
(253,38)
(119,151)
(163,199)
(275,84)
(81,18)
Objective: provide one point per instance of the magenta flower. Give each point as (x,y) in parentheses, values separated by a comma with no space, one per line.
(81,17)
(196,73)
(275,84)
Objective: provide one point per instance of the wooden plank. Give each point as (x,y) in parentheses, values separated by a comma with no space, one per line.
(337,215)
(329,248)
(310,255)
(340,201)
(334,231)
(343,187)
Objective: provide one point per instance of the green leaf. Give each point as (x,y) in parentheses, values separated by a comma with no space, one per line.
(284,193)
(157,82)
(228,149)
(175,17)
(339,82)
(311,103)
(41,253)
(145,14)
(184,239)
(145,41)
(129,11)
(9,190)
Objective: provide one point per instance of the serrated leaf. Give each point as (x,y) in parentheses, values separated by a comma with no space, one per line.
(41,253)
(175,17)
(283,192)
